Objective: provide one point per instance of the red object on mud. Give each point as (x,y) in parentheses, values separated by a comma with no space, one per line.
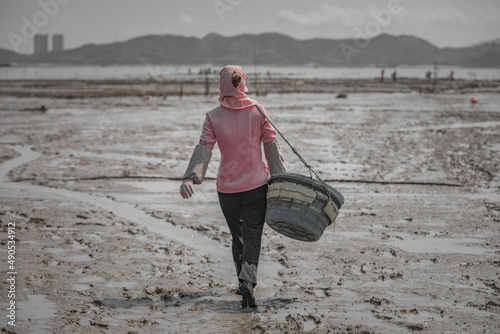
(473,100)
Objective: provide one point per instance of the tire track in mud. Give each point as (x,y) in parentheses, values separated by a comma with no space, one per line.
(187,237)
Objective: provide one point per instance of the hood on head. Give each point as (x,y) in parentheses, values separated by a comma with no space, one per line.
(233,88)
(232,81)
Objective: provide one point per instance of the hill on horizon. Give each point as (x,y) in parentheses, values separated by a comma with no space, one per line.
(266,49)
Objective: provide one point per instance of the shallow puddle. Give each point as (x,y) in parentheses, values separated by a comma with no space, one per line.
(63,254)
(309,325)
(454,126)
(34,313)
(440,245)
(27,155)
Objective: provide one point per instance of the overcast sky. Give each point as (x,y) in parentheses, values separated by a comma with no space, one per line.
(441,22)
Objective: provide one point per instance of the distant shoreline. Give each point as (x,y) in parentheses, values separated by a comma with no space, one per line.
(196,86)
(187,72)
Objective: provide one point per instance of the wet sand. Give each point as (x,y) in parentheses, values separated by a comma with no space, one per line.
(105,244)
(201,85)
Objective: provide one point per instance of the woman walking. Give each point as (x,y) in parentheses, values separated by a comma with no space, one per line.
(239,128)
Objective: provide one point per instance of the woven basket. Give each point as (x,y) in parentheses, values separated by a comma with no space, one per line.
(298,206)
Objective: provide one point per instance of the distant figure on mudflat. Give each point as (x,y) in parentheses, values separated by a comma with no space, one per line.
(428,75)
(382,75)
(451,76)
(394,75)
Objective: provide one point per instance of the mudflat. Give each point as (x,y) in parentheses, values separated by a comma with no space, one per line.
(104,243)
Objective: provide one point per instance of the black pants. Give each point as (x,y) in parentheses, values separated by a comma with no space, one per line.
(245,213)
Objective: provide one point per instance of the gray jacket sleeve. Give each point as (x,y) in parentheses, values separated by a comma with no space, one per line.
(198,164)
(274,157)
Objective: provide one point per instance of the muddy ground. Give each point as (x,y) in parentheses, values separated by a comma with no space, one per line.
(161,87)
(105,244)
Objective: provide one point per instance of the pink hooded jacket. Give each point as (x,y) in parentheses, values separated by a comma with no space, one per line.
(239,129)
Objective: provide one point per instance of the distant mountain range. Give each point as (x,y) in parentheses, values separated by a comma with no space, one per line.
(266,49)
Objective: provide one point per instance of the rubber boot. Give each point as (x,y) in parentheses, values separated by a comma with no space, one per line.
(246,290)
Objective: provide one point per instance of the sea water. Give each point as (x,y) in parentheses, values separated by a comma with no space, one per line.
(261,71)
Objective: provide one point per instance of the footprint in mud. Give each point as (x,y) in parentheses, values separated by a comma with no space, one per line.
(124,303)
(198,300)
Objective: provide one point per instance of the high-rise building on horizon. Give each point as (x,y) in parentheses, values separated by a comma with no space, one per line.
(57,42)
(41,43)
